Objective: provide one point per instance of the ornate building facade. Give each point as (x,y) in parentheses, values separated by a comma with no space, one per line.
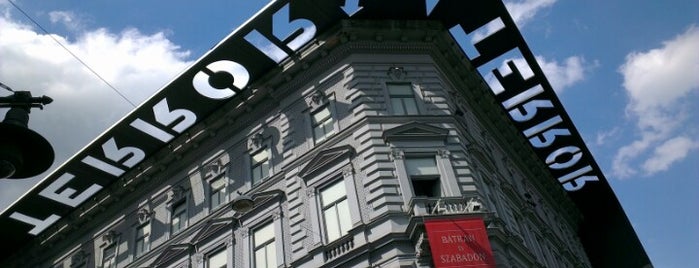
(342,156)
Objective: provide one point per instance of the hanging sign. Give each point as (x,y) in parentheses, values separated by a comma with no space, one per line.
(459,243)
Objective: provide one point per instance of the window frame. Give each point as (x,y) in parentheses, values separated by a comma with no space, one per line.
(268,212)
(223,191)
(145,236)
(328,166)
(216,252)
(266,245)
(254,165)
(183,203)
(447,181)
(112,257)
(341,172)
(332,125)
(433,178)
(402,97)
(334,205)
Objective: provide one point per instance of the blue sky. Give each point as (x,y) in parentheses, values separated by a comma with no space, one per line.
(627,72)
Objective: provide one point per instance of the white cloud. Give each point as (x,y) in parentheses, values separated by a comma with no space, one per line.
(621,165)
(524,10)
(560,75)
(521,11)
(563,75)
(669,152)
(662,86)
(67,18)
(135,63)
(658,77)
(603,136)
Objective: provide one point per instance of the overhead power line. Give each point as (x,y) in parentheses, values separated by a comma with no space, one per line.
(71,52)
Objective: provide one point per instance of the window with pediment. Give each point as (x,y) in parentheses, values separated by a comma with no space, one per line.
(424,175)
(264,247)
(330,185)
(217,259)
(422,161)
(337,218)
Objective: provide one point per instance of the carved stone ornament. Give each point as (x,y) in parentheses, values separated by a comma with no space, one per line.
(397,154)
(318,97)
(311,192)
(475,204)
(347,172)
(198,258)
(444,153)
(144,215)
(176,193)
(256,141)
(78,259)
(396,73)
(212,169)
(110,237)
(244,232)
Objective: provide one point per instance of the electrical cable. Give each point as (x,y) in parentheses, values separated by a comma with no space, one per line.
(71,53)
(6,87)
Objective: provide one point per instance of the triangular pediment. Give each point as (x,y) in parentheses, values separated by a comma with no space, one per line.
(171,253)
(415,131)
(212,227)
(326,158)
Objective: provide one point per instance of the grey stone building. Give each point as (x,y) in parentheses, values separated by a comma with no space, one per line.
(335,158)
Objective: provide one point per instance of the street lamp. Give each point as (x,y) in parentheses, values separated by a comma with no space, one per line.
(244,203)
(23,152)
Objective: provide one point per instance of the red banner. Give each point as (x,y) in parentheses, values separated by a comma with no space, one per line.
(459,243)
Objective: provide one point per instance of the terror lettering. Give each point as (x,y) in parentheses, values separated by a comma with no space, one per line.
(529,102)
(219,80)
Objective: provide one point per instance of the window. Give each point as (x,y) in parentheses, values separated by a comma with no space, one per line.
(265,252)
(179,217)
(424,176)
(142,239)
(322,124)
(109,256)
(259,167)
(218,192)
(336,213)
(218,259)
(402,98)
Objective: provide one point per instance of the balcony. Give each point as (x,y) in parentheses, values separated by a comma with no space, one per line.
(339,247)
